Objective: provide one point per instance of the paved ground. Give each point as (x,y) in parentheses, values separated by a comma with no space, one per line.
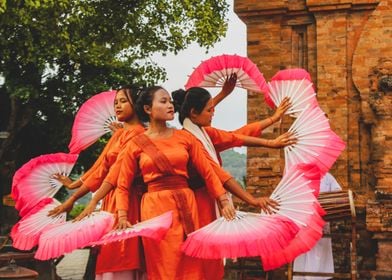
(73,265)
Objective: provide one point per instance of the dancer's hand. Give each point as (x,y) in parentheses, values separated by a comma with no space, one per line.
(65,207)
(229,84)
(282,108)
(286,139)
(266,203)
(123,223)
(65,180)
(90,208)
(114,126)
(228,211)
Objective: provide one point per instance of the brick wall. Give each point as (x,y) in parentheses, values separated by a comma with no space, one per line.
(339,42)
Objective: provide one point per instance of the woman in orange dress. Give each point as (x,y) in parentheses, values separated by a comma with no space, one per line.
(119,260)
(165,173)
(196,108)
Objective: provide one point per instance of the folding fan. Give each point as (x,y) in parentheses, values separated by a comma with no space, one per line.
(300,92)
(64,238)
(92,121)
(154,228)
(316,142)
(25,234)
(34,180)
(214,71)
(261,234)
(291,74)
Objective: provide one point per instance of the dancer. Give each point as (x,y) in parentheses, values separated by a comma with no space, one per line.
(196,109)
(126,262)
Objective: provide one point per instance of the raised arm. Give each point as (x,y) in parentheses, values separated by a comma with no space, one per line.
(227,88)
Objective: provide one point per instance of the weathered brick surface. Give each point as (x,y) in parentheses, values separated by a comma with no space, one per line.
(346,47)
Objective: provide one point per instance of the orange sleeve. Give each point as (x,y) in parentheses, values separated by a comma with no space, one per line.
(202,162)
(223,175)
(93,178)
(126,173)
(223,140)
(253,129)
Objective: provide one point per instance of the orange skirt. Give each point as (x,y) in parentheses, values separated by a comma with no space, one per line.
(213,269)
(164,259)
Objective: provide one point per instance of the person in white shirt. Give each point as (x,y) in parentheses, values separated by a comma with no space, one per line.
(319,258)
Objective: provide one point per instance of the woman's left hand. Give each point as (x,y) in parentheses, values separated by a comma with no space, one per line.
(229,84)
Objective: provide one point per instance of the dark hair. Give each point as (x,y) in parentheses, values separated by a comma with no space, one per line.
(145,98)
(132,93)
(195,98)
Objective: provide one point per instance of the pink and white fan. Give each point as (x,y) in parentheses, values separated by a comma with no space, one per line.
(316,142)
(300,92)
(34,180)
(155,228)
(66,237)
(25,234)
(261,234)
(92,121)
(214,71)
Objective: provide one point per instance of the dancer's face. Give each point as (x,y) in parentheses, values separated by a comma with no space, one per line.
(204,118)
(122,106)
(162,106)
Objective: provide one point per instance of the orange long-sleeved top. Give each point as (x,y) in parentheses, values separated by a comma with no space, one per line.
(223,140)
(94,177)
(179,148)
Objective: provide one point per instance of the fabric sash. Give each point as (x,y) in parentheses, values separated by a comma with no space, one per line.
(164,166)
(202,135)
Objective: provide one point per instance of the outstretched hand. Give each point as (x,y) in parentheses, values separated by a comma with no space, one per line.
(123,223)
(266,203)
(65,180)
(65,207)
(281,109)
(90,208)
(286,139)
(229,84)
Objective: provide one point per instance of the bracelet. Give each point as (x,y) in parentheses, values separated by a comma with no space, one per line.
(122,216)
(271,120)
(224,200)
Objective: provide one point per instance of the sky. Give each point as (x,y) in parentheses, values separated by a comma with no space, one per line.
(231,113)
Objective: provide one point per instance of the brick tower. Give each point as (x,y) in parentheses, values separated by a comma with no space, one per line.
(346,45)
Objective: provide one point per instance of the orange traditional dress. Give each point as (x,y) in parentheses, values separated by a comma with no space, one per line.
(168,190)
(117,257)
(221,140)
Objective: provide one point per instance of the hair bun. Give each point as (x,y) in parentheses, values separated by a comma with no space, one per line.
(178,98)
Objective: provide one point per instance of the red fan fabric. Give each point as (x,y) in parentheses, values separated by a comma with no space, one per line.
(155,228)
(288,75)
(248,235)
(293,228)
(33,181)
(213,72)
(300,92)
(25,234)
(316,144)
(296,196)
(65,237)
(92,121)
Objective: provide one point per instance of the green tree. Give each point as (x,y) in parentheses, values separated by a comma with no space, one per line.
(54,54)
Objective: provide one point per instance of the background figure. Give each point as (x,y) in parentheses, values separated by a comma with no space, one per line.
(320,258)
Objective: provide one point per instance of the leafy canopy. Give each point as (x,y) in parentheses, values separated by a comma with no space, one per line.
(54,54)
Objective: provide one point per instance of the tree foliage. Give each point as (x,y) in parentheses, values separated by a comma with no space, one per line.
(54,54)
